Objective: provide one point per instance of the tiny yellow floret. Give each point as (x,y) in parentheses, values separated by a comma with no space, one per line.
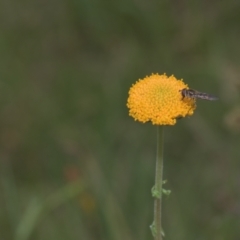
(158,98)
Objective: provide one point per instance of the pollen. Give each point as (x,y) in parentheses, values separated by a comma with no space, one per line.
(157,98)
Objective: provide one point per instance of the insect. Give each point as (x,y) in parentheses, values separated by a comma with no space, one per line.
(190,93)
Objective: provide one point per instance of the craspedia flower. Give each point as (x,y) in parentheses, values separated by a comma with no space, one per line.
(158,99)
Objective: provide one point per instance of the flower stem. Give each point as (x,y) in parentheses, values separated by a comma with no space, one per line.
(157,189)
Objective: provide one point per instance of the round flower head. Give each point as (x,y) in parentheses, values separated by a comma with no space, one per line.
(158,99)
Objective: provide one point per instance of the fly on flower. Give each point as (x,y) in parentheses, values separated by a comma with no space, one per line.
(190,93)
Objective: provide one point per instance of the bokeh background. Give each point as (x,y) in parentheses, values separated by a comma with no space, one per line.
(73,164)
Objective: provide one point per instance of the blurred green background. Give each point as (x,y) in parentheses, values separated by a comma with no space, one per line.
(73,164)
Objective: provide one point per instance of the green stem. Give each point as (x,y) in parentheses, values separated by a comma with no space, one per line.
(157,189)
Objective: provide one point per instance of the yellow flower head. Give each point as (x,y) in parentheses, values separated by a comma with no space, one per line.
(158,99)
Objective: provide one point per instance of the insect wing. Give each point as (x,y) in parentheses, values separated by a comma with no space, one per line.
(205,96)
